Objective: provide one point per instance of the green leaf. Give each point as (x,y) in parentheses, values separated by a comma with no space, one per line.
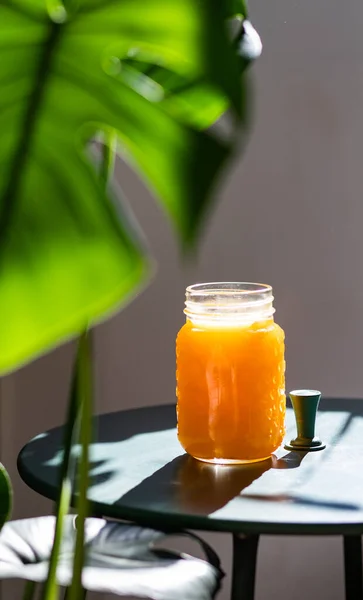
(120,559)
(237,8)
(67,257)
(192,101)
(6,495)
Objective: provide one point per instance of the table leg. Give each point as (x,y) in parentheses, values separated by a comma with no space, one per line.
(244,566)
(353,567)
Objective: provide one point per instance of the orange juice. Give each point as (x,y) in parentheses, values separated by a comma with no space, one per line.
(231,377)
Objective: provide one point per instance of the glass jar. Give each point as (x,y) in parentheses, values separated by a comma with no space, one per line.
(230,374)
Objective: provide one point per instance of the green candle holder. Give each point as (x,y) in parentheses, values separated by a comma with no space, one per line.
(305,404)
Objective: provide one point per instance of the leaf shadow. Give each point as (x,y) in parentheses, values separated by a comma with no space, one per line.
(190,486)
(300,500)
(40,460)
(183,486)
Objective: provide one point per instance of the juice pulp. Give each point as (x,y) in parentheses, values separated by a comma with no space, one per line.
(231,390)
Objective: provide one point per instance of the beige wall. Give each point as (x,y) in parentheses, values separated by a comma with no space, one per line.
(290,214)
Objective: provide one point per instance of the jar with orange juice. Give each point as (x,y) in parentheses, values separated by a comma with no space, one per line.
(230,374)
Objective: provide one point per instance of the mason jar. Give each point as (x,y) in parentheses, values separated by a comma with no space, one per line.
(230,374)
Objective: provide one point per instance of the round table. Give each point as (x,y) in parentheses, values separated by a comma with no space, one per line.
(139,472)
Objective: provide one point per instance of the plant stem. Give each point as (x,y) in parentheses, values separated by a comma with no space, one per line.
(108,157)
(29,590)
(85,395)
(82,597)
(50,591)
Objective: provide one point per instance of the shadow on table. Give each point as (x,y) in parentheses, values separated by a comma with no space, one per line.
(314,502)
(187,485)
(183,484)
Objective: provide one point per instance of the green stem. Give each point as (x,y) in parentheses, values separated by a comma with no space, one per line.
(51,591)
(84,390)
(29,590)
(84,393)
(108,156)
(83,597)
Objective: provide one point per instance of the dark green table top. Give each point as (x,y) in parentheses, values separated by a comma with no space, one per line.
(140,472)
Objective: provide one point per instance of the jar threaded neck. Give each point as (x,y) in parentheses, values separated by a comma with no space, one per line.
(234,302)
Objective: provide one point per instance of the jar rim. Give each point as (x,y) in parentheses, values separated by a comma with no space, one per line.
(229,301)
(226,287)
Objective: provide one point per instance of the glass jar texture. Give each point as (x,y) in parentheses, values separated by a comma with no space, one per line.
(230,374)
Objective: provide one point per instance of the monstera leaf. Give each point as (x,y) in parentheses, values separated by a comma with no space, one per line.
(120,559)
(192,101)
(68,256)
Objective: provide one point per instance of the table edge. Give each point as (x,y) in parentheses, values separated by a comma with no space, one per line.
(176,522)
(180,522)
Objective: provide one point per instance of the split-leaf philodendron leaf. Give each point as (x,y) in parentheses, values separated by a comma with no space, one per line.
(68,256)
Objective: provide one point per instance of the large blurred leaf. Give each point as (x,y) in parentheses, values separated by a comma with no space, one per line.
(65,258)
(120,559)
(193,100)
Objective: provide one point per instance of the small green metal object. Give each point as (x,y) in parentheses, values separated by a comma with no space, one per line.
(305,404)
